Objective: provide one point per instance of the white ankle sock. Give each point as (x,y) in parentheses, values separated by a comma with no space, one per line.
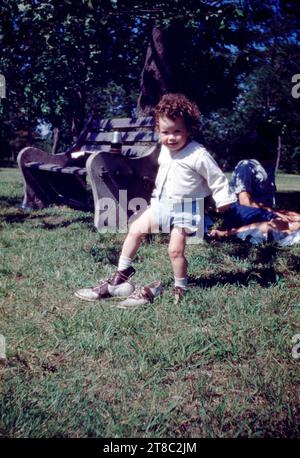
(124,263)
(181,282)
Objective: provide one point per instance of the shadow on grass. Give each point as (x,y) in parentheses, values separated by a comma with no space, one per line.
(263,254)
(65,223)
(265,277)
(266,254)
(288,200)
(17,218)
(294,263)
(8,164)
(109,255)
(10,202)
(53,222)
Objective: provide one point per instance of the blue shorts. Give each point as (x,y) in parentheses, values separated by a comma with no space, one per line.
(240,215)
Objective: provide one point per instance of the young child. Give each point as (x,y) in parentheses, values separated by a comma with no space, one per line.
(187,173)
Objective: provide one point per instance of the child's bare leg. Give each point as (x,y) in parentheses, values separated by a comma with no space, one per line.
(119,284)
(143,225)
(176,254)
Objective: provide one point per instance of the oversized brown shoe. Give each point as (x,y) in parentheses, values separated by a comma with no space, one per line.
(142,295)
(120,277)
(117,285)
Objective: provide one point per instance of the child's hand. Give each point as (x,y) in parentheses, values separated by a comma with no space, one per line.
(217,234)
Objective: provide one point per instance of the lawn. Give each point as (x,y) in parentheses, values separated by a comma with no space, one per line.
(220,364)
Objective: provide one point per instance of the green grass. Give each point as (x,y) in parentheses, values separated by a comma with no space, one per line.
(217,365)
(285,182)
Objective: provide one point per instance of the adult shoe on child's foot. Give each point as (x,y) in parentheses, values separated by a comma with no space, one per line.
(142,295)
(115,286)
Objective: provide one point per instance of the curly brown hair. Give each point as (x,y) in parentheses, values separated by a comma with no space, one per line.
(178,105)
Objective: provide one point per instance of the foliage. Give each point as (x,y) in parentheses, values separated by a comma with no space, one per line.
(264,104)
(54,55)
(62,60)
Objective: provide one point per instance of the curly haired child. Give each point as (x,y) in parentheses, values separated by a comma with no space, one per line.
(187,173)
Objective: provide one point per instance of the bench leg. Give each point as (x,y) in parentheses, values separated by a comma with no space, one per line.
(108,175)
(35,194)
(125,185)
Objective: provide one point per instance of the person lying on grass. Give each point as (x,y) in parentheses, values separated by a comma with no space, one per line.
(284,225)
(253,179)
(187,173)
(237,215)
(253,182)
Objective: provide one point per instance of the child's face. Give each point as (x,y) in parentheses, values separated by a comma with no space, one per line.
(173,133)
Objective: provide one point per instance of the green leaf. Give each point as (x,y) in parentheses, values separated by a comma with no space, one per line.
(24,7)
(239,12)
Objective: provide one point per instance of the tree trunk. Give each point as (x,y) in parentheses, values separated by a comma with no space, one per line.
(78,113)
(165,69)
(55,140)
(155,74)
(278,152)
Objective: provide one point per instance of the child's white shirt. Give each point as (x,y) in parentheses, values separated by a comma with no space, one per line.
(191,172)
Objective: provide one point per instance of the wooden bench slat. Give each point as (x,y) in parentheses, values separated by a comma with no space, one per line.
(56,168)
(127,137)
(127,150)
(122,123)
(93,148)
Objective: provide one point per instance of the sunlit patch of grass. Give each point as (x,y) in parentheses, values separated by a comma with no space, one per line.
(219,364)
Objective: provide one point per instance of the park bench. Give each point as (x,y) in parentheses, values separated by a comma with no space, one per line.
(89,176)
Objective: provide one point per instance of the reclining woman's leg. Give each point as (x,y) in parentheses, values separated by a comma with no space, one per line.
(264,227)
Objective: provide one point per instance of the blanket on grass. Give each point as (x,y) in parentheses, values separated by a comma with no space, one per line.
(256,237)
